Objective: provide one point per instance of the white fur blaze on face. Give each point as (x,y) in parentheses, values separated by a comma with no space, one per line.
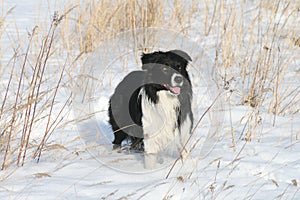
(174,82)
(159,124)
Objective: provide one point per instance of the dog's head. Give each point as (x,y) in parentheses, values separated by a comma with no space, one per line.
(167,70)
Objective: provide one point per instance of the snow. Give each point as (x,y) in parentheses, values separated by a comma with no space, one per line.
(81,165)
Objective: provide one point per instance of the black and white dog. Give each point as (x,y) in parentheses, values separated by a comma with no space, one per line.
(152,107)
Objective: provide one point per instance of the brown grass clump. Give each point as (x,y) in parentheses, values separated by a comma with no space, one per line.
(101,20)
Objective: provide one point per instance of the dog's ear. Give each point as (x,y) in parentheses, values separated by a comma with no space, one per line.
(182,54)
(148,59)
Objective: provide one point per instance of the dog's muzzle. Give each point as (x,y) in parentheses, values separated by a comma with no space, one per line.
(176,83)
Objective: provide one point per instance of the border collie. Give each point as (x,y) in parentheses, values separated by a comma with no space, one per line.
(152,107)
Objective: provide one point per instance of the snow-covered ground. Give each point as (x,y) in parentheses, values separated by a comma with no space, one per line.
(78,162)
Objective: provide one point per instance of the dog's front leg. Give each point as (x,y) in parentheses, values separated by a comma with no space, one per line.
(150,154)
(185,134)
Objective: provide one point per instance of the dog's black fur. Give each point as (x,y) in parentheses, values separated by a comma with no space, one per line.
(158,68)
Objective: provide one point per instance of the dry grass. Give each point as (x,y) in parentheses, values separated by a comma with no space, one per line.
(256,49)
(28,100)
(100,20)
(251,49)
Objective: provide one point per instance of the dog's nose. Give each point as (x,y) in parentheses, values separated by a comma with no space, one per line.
(178,79)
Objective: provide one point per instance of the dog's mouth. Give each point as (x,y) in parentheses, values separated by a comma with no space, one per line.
(175,90)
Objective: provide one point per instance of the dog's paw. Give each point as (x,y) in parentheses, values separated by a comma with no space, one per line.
(138,148)
(117,148)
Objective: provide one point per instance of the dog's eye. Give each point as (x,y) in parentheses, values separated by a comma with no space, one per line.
(165,69)
(179,68)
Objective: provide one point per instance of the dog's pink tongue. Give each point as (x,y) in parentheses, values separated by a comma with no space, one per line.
(175,90)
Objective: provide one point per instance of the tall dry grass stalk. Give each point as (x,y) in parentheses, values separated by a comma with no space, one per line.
(20,116)
(12,125)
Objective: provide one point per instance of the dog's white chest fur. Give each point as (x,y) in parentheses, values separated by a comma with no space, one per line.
(159,123)
(159,120)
